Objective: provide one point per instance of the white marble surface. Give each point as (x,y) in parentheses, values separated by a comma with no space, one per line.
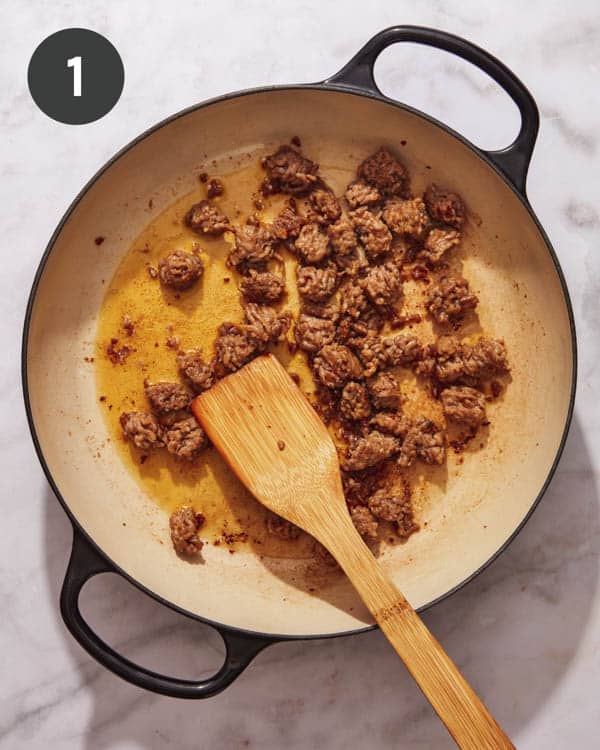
(526,632)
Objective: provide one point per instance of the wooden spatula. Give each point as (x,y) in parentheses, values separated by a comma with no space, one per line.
(272,438)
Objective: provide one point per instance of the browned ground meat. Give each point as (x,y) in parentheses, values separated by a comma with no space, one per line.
(402,349)
(335,364)
(180,270)
(364,521)
(200,375)
(313,333)
(253,244)
(262,286)
(356,332)
(391,423)
(186,439)
(204,218)
(437,244)
(373,233)
(353,299)
(325,206)
(215,187)
(465,405)
(312,243)
(142,429)
(383,170)
(369,451)
(316,284)
(185,524)
(372,354)
(406,218)
(469,364)
(354,403)
(165,397)
(383,284)
(288,222)
(233,348)
(265,325)
(388,507)
(384,391)
(359,193)
(288,171)
(278,526)
(450,299)
(329,310)
(342,236)
(424,440)
(444,207)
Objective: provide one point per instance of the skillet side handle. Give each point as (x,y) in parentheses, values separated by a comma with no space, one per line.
(513,161)
(85,563)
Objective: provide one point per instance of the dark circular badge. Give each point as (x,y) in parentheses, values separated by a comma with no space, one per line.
(75,76)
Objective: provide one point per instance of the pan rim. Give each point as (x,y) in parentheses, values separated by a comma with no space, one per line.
(326,87)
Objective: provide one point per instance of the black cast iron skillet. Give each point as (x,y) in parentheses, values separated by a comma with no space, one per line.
(356,77)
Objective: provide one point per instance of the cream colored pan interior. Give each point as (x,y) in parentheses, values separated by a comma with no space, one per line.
(469,516)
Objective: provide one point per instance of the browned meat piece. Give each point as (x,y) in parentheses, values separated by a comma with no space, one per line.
(353,299)
(465,405)
(278,526)
(402,350)
(373,233)
(312,243)
(444,207)
(369,451)
(329,310)
(314,333)
(180,270)
(325,205)
(354,404)
(316,284)
(195,371)
(438,242)
(142,429)
(364,521)
(186,439)
(355,332)
(372,355)
(204,218)
(424,440)
(253,244)
(166,397)
(262,286)
(288,171)
(335,364)
(391,423)
(342,236)
(456,362)
(288,222)
(358,488)
(406,218)
(360,194)
(450,299)
(233,348)
(383,170)
(265,325)
(389,507)
(185,524)
(117,355)
(384,391)
(215,187)
(350,265)
(383,284)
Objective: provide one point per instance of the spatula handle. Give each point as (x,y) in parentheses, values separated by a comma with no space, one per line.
(465,716)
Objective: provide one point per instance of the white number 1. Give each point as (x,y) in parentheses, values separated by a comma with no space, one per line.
(75,63)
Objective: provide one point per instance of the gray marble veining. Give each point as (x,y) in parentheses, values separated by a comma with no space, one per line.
(527,631)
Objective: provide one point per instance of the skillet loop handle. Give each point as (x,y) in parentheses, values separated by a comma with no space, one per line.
(85,563)
(513,161)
